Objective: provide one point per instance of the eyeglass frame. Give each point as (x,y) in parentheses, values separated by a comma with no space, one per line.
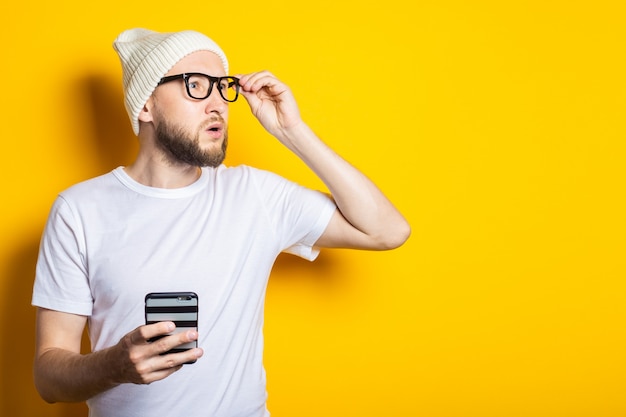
(212,80)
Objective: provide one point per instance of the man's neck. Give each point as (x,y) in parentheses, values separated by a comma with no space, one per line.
(161,175)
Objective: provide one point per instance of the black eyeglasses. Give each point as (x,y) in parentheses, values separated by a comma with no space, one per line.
(199,86)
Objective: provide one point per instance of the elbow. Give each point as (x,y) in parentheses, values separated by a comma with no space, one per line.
(43,385)
(396,238)
(46,398)
(44,393)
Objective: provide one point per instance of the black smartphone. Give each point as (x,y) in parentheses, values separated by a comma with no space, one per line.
(179,307)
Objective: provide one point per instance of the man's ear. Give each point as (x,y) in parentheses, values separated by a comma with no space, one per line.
(145,115)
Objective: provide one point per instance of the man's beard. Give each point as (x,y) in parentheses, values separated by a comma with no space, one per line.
(181,146)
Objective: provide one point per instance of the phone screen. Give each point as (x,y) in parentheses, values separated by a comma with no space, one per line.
(179,307)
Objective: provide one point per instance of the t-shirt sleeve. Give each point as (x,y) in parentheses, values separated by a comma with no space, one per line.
(61,281)
(300,215)
(305,247)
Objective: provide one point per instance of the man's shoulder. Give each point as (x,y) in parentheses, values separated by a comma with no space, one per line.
(91,187)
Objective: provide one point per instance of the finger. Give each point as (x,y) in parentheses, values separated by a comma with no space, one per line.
(179,339)
(165,365)
(252,76)
(143,334)
(258,80)
(173,360)
(159,371)
(159,375)
(254,102)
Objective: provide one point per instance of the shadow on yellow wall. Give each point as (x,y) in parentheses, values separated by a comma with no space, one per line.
(113,140)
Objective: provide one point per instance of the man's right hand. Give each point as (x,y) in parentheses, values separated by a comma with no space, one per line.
(142,361)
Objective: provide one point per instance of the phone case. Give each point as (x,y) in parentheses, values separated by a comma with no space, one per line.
(179,307)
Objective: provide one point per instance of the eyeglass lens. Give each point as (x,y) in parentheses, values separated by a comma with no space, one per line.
(199,86)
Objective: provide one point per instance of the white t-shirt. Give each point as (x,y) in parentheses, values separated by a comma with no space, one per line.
(110,240)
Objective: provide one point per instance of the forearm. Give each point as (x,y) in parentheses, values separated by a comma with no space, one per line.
(368,219)
(358,199)
(64,376)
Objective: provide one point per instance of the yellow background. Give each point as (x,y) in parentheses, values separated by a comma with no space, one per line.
(497,127)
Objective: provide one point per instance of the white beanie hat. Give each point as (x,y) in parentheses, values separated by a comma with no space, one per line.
(147,56)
